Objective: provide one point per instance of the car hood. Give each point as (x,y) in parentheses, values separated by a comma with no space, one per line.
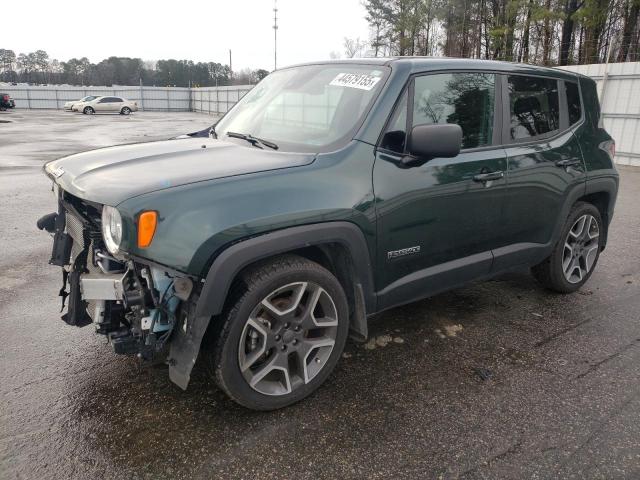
(114,174)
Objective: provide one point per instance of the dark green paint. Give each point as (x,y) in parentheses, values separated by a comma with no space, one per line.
(437,207)
(199,220)
(456,221)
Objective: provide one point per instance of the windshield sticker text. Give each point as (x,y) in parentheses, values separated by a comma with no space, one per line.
(353,80)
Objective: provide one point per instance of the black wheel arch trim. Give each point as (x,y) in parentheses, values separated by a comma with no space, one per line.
(238,256)
(574,193)
(185,344)
(608,184)
(604,184)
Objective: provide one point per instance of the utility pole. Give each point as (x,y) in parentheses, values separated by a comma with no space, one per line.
(230,68)
(275,34)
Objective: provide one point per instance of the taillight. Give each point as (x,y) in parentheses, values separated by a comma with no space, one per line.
(5,97)
(609,146)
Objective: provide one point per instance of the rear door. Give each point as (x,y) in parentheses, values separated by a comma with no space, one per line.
(545,164)
(117,104)
(103,105)
(438,222)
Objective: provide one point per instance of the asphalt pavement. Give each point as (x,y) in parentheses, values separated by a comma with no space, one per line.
(499,379)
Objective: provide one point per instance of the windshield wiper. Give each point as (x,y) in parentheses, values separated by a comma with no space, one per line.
(255,141)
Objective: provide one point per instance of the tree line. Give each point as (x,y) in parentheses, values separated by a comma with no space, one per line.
(38,68)
(546,32)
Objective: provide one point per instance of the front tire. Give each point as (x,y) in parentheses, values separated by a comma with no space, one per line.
(576,253)
(282,335)
(88,111)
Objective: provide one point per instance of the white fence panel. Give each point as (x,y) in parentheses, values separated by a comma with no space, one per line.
(217,99)
(54,97)
(214,100)
(620,101)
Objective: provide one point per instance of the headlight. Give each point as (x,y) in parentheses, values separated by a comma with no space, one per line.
(111,228)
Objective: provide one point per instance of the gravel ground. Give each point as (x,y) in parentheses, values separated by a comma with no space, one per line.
(500,379)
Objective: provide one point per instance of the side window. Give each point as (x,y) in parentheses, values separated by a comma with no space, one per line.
(116,100)
(466,99)
(104,100)
(396,133)
(533,106)
(573,102)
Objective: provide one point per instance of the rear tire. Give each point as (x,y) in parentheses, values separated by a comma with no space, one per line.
(88,111)
(281,335)
(575,255)
(125,111)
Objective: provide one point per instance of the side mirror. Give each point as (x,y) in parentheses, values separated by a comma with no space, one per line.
(433,141)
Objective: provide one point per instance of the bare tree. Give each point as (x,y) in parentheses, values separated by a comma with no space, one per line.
(353,47)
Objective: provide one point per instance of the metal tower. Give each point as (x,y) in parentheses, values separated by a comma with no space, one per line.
(275,34)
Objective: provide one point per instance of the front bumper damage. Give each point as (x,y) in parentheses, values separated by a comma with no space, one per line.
(135,304)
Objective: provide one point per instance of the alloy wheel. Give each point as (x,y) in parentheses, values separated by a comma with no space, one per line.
(288,338)
(580,248)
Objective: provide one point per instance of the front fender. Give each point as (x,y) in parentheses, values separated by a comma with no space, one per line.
(187,337)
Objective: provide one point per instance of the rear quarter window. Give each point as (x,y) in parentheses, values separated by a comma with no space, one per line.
(590,101)
(574,106)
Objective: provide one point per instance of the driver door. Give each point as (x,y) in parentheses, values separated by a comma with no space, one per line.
(438,222)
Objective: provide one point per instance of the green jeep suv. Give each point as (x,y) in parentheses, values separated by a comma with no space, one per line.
(330,192)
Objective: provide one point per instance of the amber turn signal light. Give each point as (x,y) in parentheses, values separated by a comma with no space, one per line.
(146,228)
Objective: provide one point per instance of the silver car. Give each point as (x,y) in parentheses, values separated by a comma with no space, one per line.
(69,105)
(106,105)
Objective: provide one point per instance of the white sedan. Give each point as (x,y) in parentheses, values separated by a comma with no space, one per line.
(69,105)
(106,105)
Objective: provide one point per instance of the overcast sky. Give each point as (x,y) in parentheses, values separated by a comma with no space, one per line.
(196,30)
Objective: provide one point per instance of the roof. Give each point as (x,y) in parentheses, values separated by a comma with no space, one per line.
(438,63)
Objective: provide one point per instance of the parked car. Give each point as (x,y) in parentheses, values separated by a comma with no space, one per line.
(106,105)
(69,105)
(6,101)
(329,193)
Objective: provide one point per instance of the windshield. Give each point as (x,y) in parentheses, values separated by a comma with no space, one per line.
(311,108)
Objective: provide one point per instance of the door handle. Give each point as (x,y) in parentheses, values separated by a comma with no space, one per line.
(568,163)
(487,177)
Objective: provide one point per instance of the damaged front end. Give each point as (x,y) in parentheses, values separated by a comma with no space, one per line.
(137,305)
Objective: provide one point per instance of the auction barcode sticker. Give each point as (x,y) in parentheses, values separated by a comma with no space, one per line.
(354,80)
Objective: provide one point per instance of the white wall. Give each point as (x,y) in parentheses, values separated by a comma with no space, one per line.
(217,99)
(210,100)
(620,102)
